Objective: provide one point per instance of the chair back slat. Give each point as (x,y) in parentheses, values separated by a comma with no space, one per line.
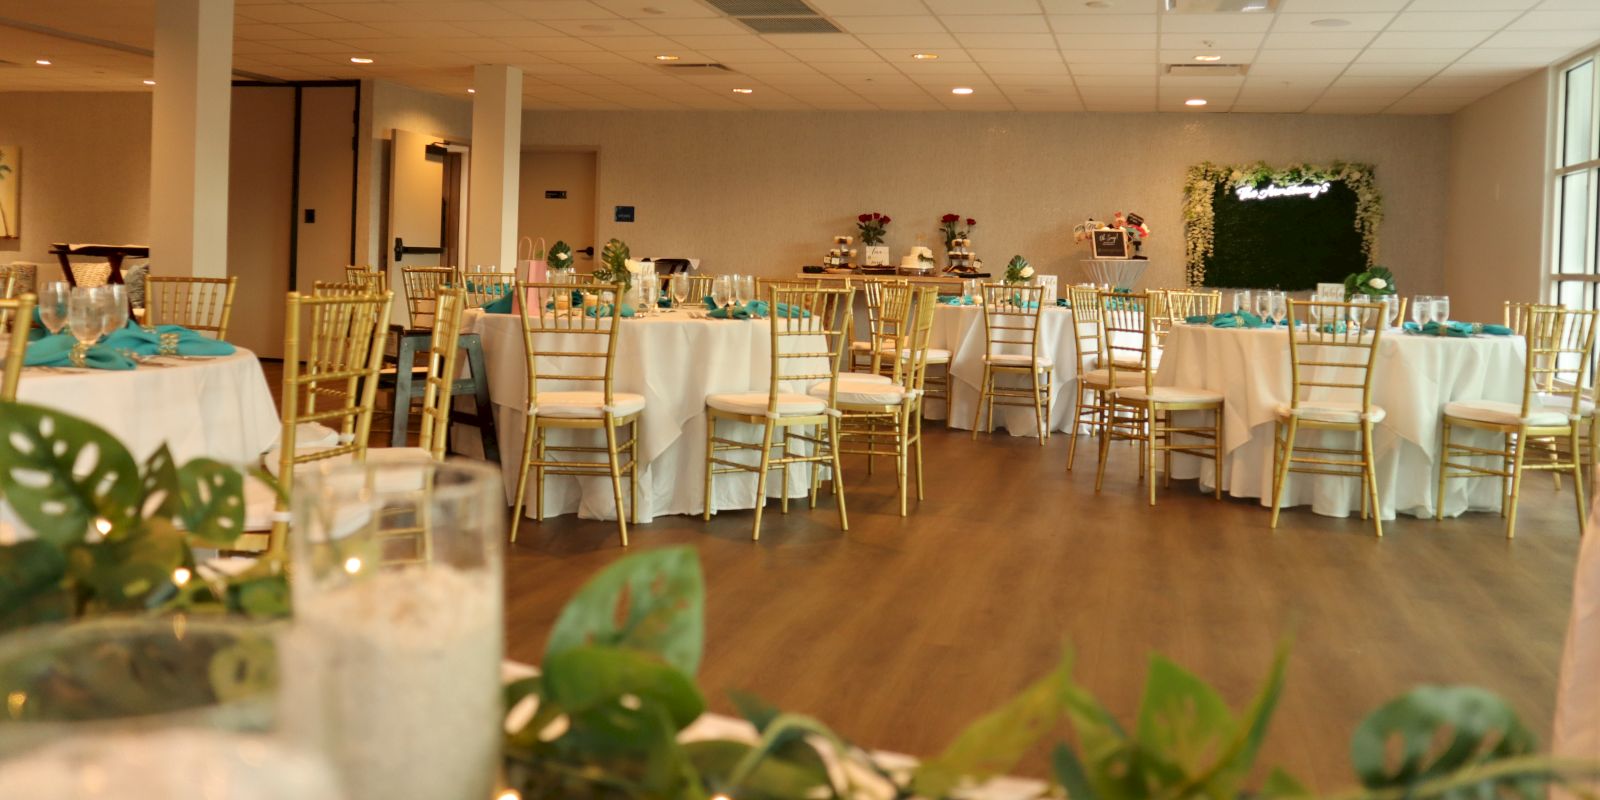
(569,333)
(483,288)
(1560,346)
(1332,347)
(422,285)
(199,304)
(891,333)
(443,348)
(1128,336)
(913,372)
(16,317)
(1161,312)
(809,345)
(374,279)
(1086,325)
(1011,314)
(1185,303)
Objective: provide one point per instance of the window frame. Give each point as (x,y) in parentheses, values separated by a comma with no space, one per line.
(1552,277)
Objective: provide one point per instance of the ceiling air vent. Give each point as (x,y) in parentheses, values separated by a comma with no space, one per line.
(1219,6)
(1207,70)
(788,25)
(692,70)
(763,8)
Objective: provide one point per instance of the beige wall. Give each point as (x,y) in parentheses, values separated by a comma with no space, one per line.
(85,169)
(763,192)
(1496,200)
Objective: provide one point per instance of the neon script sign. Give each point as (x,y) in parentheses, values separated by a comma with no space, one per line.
(1272,190)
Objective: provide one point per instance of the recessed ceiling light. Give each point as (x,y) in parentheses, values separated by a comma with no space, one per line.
(360,60)
(1195,101)
(961,90)
(925,56)
(1255,5)
(43,62)
(744,91)
(1208,58)
(472,91)
(149,82)
(1330,22)
(666,58)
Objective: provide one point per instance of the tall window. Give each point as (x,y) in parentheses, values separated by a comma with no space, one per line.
(1575,278)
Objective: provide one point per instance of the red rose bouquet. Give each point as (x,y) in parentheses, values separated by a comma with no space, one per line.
(950,226)
(872,227)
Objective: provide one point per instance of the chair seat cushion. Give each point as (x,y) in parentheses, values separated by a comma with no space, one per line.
(755,404)
(861,346)
(1170,394)
(1496,413)
(1332,411)
(1102,377)
(1127,359)
(1010,360)
(862,393)
(1563,404)
(864,377)
(314,434)
(588,405)
(936,355)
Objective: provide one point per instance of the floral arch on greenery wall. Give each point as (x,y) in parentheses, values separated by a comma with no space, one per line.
(1200,185)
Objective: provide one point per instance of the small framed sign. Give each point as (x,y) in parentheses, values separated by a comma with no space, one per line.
(1111,243)
(555,194)
(624,213)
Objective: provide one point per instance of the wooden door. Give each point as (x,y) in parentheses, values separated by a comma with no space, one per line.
(557,201)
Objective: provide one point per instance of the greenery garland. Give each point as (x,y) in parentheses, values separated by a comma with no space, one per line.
(1199,219)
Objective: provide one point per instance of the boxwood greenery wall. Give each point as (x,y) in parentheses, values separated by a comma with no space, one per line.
(1290,243)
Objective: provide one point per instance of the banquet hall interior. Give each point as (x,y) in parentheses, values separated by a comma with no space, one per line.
(856,398)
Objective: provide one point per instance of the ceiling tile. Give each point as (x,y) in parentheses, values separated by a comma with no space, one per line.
(1440,56)
(1339,6)
(1471,5)
(997,69)
(1102,68)
(1558,20)
(948,7)
(1208,42)
(1227,56)
(1306,56)
(283,13)
(555,9)
(1517,56)
(868,8)
(1302,23)
(1031,41)
(670,9)
(1558,41)
(1452,20)
(1107,23)
(1076,57)
(1330,39)
(925,41)
(1428,39)
(1111,7)
(919,24)
(998,23)
(1215,23)
(1096,41)
(598,29)
(1009,56)
(693,27)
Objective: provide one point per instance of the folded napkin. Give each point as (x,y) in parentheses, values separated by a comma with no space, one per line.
(664,302)
(165,340)
(604,310)
(504,305)
(62,350)
(759,308)
(37,331)
(1243,319)
(953,300)
(1062,302)
(1459,330)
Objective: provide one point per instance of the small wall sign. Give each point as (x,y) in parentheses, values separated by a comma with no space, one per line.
(555,194)
(624,213)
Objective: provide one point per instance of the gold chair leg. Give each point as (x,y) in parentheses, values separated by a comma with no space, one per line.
(1444,464)
(616,478)
(1516,484)
(816,466)
(1038,409)
(1105,448)
(1166,455)
(1148,447)
(917,422)
(761,479)
(1283,467)
(633,473)
(838,471)
(1577,479)
(983,393)
(783,470)
(1077,423)
(1369,471)
(1216,454)
(902,462)
(522,478)
(711,433)
(538,476)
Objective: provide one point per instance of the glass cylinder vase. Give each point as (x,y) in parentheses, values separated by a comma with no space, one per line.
(397,593)
(177,708)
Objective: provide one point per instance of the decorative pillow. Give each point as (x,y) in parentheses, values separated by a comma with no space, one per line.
(134,278)
(91,273)
(27,274)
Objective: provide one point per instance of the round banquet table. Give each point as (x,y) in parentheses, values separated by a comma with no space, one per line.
(674,360)
(1413,378)
(218,408)
(959,329)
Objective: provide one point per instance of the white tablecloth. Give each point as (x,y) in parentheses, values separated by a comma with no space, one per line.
(218,408)
(959,329)
(674,361)
(1413,378)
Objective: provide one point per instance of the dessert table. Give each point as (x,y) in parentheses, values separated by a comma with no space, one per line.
(1413,378)
(674,359)
(219,408)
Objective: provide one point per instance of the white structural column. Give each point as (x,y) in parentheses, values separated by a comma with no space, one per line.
(496,162)
(189,137)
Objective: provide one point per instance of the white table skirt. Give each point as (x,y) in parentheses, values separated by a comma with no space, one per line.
(1413,378)
(217,408)
(959,329)
(674,361)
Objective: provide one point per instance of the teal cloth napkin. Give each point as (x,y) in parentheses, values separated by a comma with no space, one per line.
(953,300)
(166,340)
(1062,302)
(37,331)
(604,310)
(759,308)
(504,305)
(1459,330)
(1243,319)
(56,351)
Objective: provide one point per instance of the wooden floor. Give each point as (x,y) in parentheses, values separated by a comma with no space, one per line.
(901,631)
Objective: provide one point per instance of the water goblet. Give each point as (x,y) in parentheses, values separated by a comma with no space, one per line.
(1421,309)
(84,314)
(679,284)
(1264,305)
(113,307)
(722,291)
(53,305)
(1241,301)
(1441,310)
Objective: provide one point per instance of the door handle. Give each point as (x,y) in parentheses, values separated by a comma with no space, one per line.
(588,251)
(401,249)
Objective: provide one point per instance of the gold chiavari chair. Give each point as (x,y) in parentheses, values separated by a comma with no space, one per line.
(884,417)
(808,347)
(1184,303)
(1161,316)
(700,289)
(421,285)
(371,277)
(1011,316)
(8,286)
(1330,373)
(1515,314)
(443,348)
(566,346)
(199,304)
(483,288)
(1094,380)
(1560,343)
(1149,423)
(333,349)
(862,354)
(16,316)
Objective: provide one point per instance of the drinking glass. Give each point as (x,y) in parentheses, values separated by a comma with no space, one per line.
(652,292)
(1280,305)
(84,313)
(397,594)
(1264,305)
(743,289)
(722,291)
(113,306)
(1441,309)
(1241,301)
(53,305)
(1421,309)
(679,283)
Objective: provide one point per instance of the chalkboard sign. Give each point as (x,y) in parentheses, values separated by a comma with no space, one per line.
(1109,244)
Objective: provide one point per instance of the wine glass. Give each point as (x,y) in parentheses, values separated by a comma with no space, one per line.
(744,287)
(1421,309)
(679,284)
(1280,305)
(53,305)
(113,304)
(722,291)
(1264,305)
(84,314)
(1441,310)
(1241,301)
(652,292)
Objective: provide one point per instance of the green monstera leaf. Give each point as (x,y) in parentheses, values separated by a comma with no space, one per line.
(62,474)
(212,507)
(652,602)
(1444,732)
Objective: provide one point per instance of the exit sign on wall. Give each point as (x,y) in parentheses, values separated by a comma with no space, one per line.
(624,213)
